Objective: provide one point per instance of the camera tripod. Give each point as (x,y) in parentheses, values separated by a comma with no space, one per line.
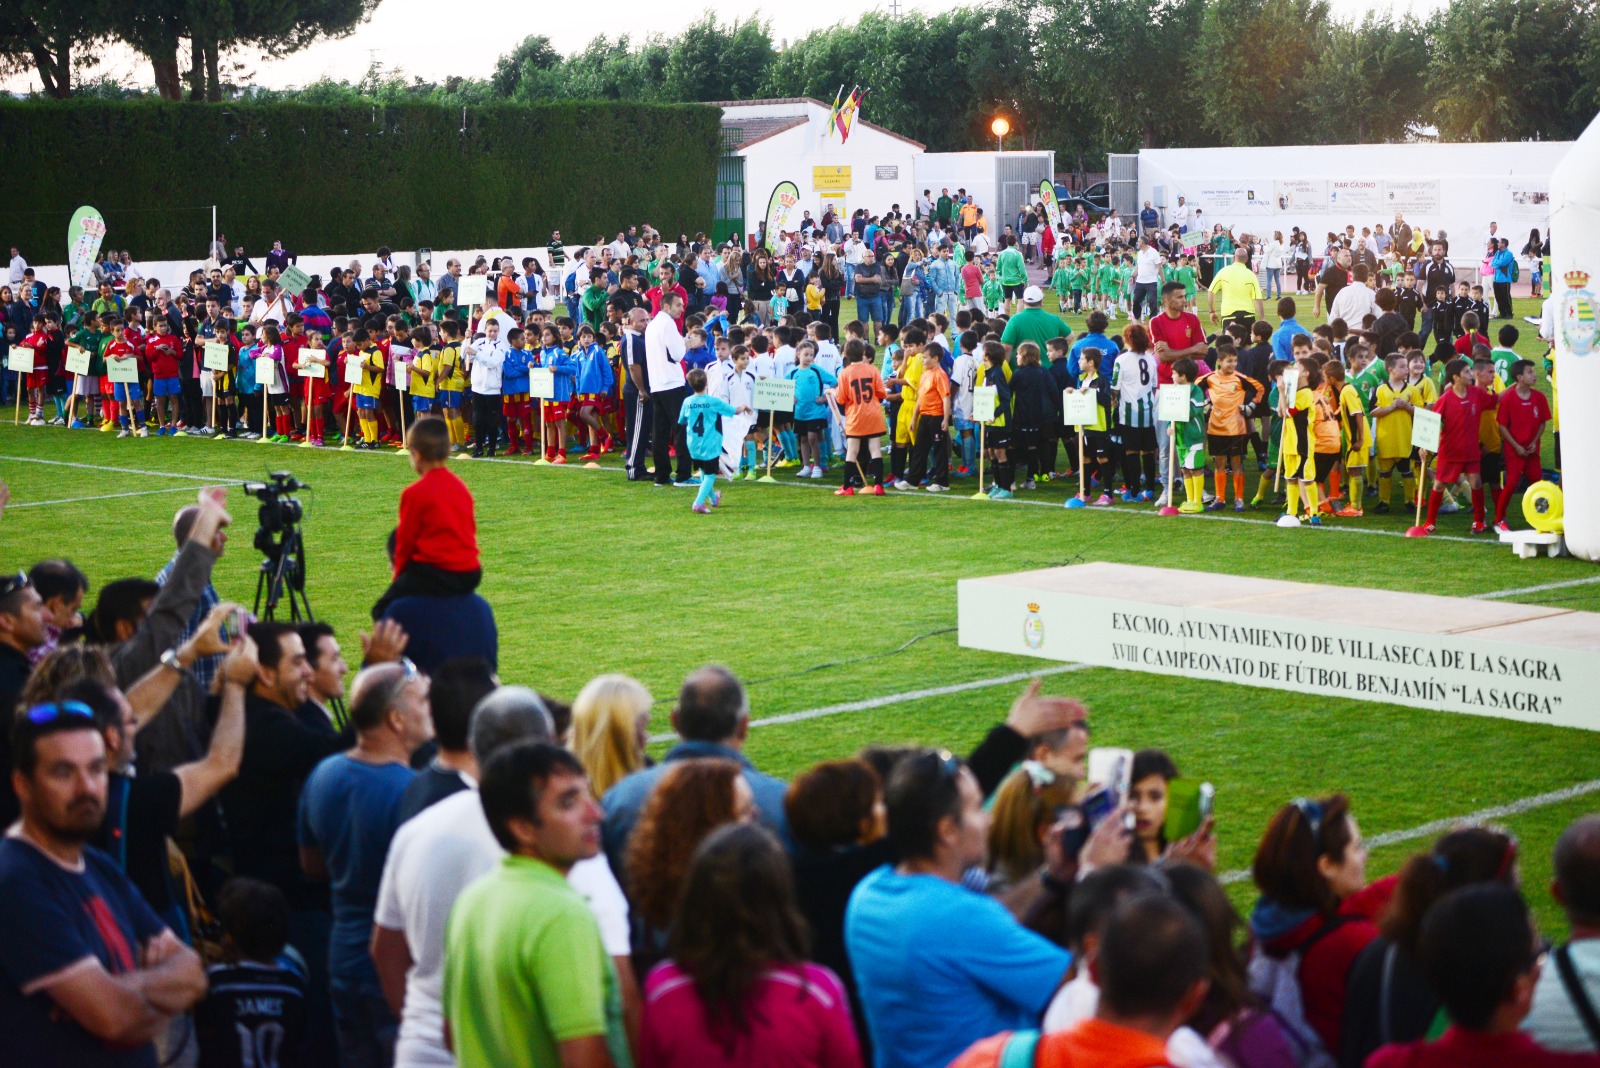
(283,571)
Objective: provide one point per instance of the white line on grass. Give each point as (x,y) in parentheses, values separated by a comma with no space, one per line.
(119,470)
(1536,589)
(900,698)
(1483,815)
(104,497)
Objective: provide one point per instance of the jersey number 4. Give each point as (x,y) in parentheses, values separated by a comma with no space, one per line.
(700,424)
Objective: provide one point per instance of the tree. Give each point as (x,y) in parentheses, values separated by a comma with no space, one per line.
(1117,72)
(41,35)
(157,28)
(1508,70)
(1257,95)
(528,60)
(709,61)
(1363,85)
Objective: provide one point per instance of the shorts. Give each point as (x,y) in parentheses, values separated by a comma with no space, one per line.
(810,426)
(36,380)
(1402,464)
(509,402)
(125,392)
(1226,446)
(1357,458)
(588,400)
(421,404)
(1323,464)
(1138,438)
(166,387)
(997,437)
(963,424)
(1193,457)
(365,403)
(1298,468)
(1014,292)
(712,466)
(449,398)
(1449,471)
(87,386)
(763,419)
(865,438)
(555,411)
(1096,443)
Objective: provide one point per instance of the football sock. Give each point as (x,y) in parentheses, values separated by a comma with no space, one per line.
(706,484)
(1311,495)
(875,468)
(1408,483)
(1358,487)
(1294,499)
(1130,473)
(1238,487)
(1435,499)
(1502,502)
(1220,478)
(515,429)
(1477,505)
(1148,461)
(1333,484)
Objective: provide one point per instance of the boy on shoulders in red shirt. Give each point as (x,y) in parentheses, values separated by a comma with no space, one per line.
(1460,409)
(436,543)
(1523,414)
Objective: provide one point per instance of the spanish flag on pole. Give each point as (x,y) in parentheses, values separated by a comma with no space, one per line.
(833,114)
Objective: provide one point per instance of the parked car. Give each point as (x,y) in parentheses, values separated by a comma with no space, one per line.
(1095,200)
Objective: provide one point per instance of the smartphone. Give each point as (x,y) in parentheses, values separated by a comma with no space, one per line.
(1097,806)
(1075,828)
(1189,804)
(1111,769)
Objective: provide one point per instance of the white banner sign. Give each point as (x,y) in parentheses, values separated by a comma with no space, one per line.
(1448,664)
(1412,196)
(1300,196)
(1355,196)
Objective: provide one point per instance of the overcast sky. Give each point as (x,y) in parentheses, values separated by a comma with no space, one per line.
(465,37)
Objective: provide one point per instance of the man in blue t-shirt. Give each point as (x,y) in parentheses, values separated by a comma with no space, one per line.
(938,966)
(349,811)
(89,976)
(1095,338)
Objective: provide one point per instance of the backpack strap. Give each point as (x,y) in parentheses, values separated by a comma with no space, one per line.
(1019,1050)
(1576,992)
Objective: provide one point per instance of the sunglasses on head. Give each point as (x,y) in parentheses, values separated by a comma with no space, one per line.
(10,584)
(55,711)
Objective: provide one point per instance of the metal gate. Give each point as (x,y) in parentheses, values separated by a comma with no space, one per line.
(727,214)
(1125,184)
(1016,180)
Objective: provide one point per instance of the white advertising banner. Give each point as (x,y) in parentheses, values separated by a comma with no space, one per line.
(1348,196)
(1232,200)
(1300,196)
(1412,196)
(1471,667)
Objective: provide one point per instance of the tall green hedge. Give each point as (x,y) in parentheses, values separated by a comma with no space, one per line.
(336,179)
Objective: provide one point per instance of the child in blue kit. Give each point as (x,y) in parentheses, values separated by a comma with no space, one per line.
(554,356)
(697,351)
(593,383)
(515,401)
(702,415)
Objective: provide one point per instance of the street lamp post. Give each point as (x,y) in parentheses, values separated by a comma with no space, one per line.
(1000,127)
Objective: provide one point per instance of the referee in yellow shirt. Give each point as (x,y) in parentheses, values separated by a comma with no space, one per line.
(1240,291)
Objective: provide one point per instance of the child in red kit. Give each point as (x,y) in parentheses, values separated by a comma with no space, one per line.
(36,380)
(436,543)
(1523,414)
(163,351)
(1460,408)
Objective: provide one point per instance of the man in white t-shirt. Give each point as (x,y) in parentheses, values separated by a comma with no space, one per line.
(980,244)
(273,307)
(431,860)
(663,361)
(1355,301)
(1146,279)
(1556,1020)
(1180,216)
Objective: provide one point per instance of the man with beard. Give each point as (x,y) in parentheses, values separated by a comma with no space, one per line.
(90,975)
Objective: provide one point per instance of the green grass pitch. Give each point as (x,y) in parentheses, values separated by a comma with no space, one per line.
(589,573)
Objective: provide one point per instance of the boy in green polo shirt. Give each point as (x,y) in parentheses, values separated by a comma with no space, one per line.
(1109,278)
(1061,281)
(1504,353)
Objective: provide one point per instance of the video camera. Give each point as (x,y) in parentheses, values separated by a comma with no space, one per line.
(279,512)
